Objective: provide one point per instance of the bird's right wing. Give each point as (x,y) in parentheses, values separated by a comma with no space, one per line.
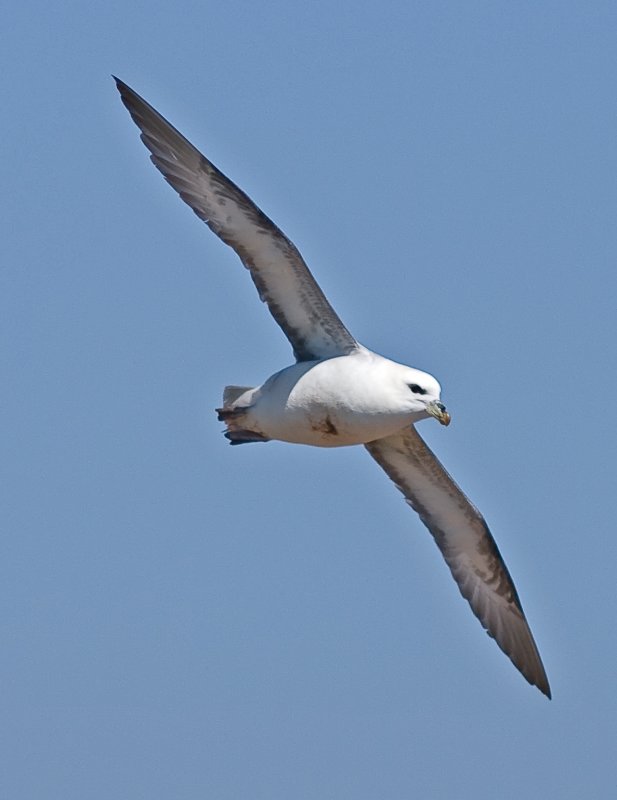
(466,544)
(283,280)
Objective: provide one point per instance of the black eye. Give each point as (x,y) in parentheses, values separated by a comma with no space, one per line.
(417,389)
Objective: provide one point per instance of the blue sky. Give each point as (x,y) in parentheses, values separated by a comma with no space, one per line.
(184,619)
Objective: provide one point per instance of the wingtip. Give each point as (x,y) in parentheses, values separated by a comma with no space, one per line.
(539,680)
(120,85)
(535,675)
(538,676)
(546,690)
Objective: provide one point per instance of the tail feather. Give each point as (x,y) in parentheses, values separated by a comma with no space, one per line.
(239,436)
(232,393)
(235,418)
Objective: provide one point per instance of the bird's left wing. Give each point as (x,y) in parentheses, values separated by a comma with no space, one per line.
(283,280)
(466,544)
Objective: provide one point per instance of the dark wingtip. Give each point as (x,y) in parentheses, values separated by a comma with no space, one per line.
(124,89)
(539,681)
(546,690)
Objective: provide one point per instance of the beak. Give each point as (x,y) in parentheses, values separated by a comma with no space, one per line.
(438,410)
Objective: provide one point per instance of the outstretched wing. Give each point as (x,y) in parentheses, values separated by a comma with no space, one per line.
(466,544)
(283,280)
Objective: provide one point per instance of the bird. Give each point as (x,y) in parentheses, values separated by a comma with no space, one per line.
(338,392)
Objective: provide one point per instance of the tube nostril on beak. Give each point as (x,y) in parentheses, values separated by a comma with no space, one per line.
(438,410)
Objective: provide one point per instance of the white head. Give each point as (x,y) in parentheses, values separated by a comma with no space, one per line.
(422,394)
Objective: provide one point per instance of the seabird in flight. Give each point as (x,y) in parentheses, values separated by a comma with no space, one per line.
(339,392)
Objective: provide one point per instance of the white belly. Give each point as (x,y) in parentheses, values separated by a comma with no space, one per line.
(333,403)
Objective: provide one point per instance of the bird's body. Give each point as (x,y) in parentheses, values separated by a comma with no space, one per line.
(338,392)
(344,400)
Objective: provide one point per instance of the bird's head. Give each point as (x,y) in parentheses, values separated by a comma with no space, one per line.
(423,395)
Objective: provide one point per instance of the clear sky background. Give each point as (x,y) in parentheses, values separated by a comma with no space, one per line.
(182,619)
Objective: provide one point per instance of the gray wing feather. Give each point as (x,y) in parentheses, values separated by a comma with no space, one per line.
(283,280)
(466,544)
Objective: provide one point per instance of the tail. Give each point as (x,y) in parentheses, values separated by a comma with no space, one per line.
(232,393)
(235,418)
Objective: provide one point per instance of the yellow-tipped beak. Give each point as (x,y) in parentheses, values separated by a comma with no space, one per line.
(438,410)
